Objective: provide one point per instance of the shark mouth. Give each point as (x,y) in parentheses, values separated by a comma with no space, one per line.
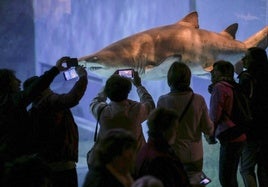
(95,68)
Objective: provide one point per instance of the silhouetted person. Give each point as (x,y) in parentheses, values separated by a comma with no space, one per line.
(115,155)
(255,83)
(194,121)
(157,158)
(28,170)
(221,103)
(122,112)
(15,127)
(56,133)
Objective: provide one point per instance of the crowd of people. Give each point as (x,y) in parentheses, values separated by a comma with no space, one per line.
(39,136)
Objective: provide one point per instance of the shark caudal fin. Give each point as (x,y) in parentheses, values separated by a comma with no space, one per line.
(260,39)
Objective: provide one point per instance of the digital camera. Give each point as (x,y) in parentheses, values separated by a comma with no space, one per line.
(128,73)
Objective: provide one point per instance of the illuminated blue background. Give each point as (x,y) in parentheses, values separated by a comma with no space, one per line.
(35,34)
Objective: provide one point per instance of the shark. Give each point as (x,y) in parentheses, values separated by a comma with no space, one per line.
(151,52)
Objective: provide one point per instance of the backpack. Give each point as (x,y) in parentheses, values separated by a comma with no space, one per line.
(241,115)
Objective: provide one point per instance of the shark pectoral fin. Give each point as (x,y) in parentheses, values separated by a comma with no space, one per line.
(161,70)
(209,68)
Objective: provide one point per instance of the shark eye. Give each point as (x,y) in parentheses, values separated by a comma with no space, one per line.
(95,58)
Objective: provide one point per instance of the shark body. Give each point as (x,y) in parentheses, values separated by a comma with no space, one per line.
(151,52)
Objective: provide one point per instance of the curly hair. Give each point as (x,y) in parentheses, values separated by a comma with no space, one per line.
(117,88)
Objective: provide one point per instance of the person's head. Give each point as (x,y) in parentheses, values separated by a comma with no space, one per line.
(222,70)
(9,83)
(117,88)
(162,123)
(254,58)
(147,181)
(116,146)
(179,76)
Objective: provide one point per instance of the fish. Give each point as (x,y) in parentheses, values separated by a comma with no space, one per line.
(151,52)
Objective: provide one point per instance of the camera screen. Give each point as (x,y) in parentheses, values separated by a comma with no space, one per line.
(126,73)
(70,74)
(205,181)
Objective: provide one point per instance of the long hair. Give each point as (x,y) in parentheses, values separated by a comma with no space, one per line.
(259,61)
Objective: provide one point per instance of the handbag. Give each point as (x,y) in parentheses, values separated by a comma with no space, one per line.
(90,153)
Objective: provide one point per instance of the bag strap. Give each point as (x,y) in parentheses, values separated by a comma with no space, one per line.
(186,108)
(96,129)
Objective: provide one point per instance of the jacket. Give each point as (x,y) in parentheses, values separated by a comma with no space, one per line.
(56,133)
(188,144)
(127,114)
(15,126)
(221,101)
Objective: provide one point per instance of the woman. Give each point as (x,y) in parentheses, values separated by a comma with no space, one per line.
(195,121)
(157,158)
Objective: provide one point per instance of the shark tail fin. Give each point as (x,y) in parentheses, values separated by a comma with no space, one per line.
(259,39)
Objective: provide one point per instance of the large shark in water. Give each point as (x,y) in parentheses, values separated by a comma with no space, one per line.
(151,52)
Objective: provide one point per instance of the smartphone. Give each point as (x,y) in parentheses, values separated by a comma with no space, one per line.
(72,62)
(70,74)
(205,181)
(128,73)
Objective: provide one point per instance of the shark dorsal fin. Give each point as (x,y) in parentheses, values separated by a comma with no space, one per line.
(190,20)
(230,31)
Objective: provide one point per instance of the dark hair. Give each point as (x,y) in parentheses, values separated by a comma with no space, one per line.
(6,76)
(112,144)
(259,58)
(117,88)
(161,120)
(179,76)
(225,67)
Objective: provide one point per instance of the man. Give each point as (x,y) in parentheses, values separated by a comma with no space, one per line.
(15,127)
(221,102)
(56,133)
(255,84)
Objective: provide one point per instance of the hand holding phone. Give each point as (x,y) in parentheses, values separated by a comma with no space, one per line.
(72,62)
(204,179)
